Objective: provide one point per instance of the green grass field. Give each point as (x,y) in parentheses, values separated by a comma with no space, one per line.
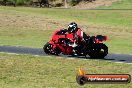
(33,27)
(26,71)
(122,4)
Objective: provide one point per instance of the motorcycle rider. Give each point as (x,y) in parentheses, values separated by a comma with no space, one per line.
(79,37)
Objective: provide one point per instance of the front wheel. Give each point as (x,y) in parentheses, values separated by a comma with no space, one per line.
(48,49)
(98,51)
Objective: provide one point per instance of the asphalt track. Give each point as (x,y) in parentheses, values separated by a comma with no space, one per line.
(39,51)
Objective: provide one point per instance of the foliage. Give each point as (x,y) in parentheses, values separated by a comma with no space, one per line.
(73,2)
(22,2)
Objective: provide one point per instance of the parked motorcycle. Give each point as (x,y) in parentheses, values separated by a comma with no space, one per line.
(64,43)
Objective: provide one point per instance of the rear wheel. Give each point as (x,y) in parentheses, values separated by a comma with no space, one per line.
(98,51)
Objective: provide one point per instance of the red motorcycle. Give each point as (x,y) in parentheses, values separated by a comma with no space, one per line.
(63,42)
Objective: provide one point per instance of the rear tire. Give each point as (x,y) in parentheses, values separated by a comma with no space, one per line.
(98,51)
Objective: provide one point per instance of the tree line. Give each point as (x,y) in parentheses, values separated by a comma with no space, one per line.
(43,3)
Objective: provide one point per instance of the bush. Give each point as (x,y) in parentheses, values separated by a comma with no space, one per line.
(22,2)
(74,2)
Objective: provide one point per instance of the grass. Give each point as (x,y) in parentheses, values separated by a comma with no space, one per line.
(122,4)
(104,17)
(33,27)
(24,38)
(26,71)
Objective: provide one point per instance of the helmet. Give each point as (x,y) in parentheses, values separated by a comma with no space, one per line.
(72,27)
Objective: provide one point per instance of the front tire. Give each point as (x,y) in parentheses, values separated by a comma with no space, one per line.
(48,49)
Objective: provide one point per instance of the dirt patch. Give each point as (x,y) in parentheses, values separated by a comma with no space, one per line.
(38,22)
(106,30)
(27,21)
(94,4)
